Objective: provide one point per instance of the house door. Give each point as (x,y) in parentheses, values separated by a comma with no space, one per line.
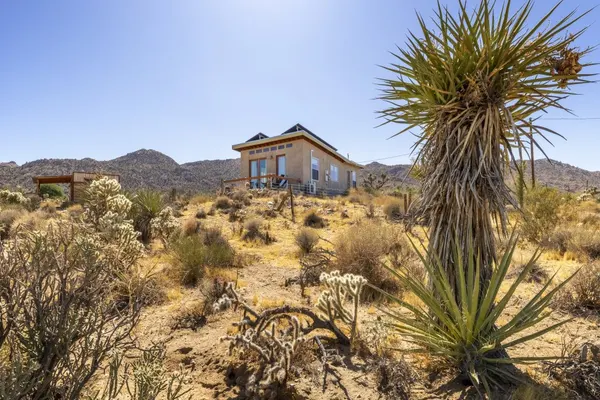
(258,168)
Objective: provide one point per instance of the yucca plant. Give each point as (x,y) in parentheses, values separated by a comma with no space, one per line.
(470,83)
(467,333)
(147,204)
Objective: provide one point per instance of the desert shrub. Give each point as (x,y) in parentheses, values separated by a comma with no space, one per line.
(590,219)
(394,378)
(362,248)
(190,317)
(190,257)
(370,213)
(541,213)
(193,254)
(306,240)
(201,214)
(583,293)
(190,227)
(314,220)
(585,243)
(64,277)
(75,211)
(51,191)
(393,210)
(7,218)
(223,203)
(15,198)
(578,368)
(164,225)
(212,210)
(29,221)
(463,328)
(359,196)
(253,230)
(146,378)
(557,240)
(147,205)
(242,196)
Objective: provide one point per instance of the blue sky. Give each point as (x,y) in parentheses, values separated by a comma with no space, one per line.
(190,78)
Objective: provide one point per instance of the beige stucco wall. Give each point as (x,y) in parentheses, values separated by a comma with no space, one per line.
(293,158)
(325,162)
(298,158)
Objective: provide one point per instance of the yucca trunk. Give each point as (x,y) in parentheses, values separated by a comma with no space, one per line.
(464,189)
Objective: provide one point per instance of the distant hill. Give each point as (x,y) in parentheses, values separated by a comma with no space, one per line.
(153,169)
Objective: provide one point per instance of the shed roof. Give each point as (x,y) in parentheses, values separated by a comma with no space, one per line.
(299,127)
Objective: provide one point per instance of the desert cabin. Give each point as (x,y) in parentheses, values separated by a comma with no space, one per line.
(78,182)
(296,157)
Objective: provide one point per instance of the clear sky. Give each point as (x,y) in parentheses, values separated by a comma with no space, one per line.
(100,78)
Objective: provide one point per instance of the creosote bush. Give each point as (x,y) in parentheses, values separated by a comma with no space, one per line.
(541,213)
(190,227)
(314,220)
(307,239)
(201,214)
(51,191)
(583,293)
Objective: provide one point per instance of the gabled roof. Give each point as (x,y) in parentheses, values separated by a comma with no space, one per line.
(299,127)
(258,136)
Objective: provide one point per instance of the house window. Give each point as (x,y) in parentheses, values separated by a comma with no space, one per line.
(281,165)
(266,149)
(354,179)
(333,172)
(289,145)
(258,151)
(251,151)
(273,148)
(281,147)
(314,165)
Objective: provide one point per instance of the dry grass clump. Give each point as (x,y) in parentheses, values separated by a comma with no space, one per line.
(359,196)
(190,317)
(200,199)
(307,239)
(253,231)
(75,211)
(557,240)
(242,196)
(314,220)
(583,292)
(585,243)
(190,227)
(223,203)
(7,219)
(370,212)
(394,378)
(201,214)
(362,248)
(31,221)
(393,209)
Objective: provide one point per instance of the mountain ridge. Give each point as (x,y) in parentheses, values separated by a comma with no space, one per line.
(148,168)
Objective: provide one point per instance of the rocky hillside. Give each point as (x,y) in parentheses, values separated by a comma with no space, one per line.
(152,169)
(140,169)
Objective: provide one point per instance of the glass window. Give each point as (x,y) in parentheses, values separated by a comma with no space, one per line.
(251,151)
(289,145)
(273,148)
(266,149)
(354,179)
(258,151)
(281,165)
(258,168)
(315,168)
(281,147)
(333,172)
(253,172)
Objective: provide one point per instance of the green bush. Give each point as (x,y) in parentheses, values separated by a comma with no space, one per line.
(52,191)
(193,254)
(541,213)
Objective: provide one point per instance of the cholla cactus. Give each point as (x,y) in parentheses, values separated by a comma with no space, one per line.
(104,195)
(331,301)
(8,197)
(106,209)
(164,225)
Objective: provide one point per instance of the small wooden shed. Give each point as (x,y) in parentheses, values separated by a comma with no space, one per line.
(77,181)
